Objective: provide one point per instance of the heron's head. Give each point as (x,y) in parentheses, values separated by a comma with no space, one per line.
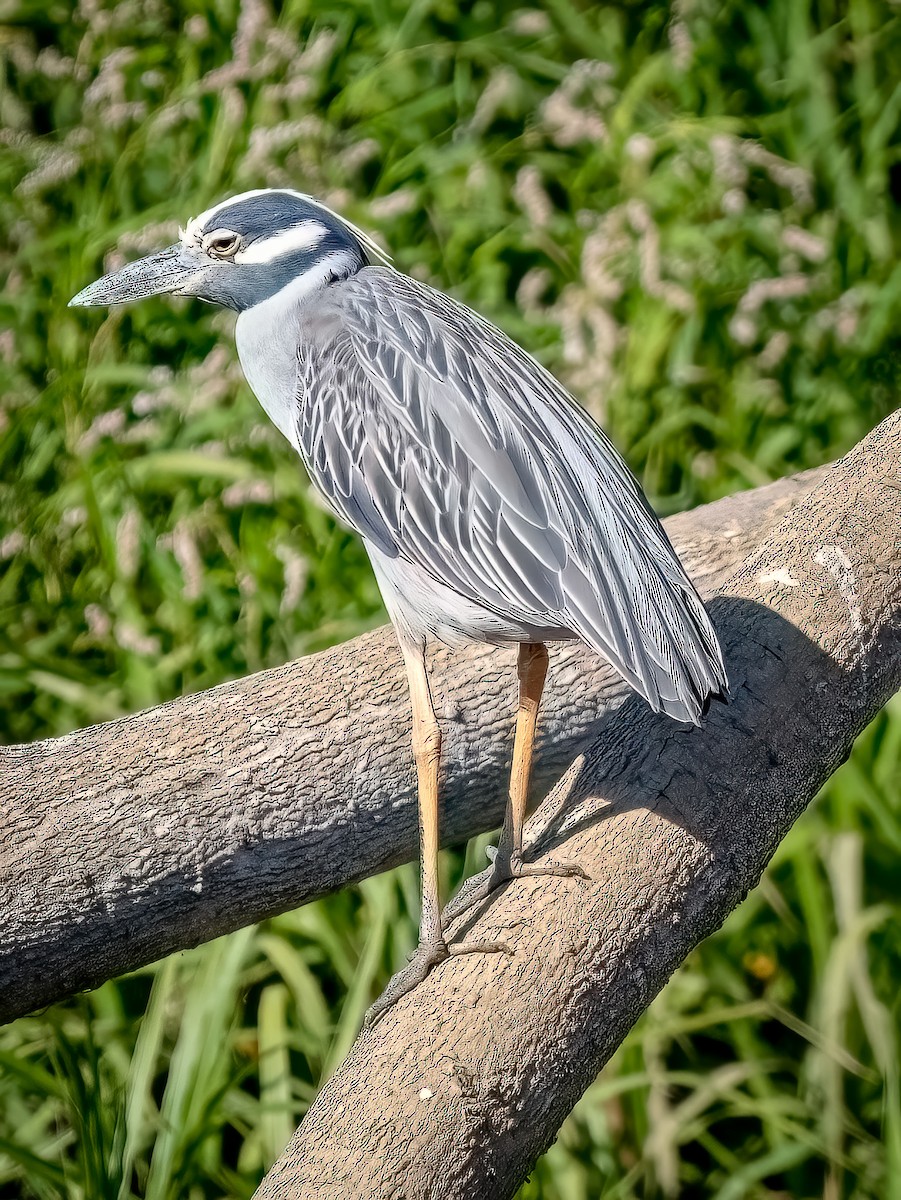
(243,251)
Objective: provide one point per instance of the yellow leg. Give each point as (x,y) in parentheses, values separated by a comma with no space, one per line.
(427,753)
(432,947)
(508,864)
(532,670)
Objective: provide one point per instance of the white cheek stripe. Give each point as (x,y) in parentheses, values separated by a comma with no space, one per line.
(298,237)
(309,282)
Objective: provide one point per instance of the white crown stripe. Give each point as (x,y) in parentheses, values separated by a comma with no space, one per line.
(363,238)
(195,226)
(288,241)
(192,231)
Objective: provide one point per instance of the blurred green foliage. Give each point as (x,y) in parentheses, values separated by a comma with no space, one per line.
(691,214)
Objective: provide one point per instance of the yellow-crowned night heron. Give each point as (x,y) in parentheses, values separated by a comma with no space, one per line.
(491,505)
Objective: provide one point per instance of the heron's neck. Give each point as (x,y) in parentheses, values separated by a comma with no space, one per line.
(271,335)
(268,338)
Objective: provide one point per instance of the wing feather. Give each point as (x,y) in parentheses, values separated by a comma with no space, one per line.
(460,454)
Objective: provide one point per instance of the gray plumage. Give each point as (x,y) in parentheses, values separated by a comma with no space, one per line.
(492,507)
(463,463)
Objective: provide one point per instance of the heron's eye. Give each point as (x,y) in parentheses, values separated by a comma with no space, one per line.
(222,245)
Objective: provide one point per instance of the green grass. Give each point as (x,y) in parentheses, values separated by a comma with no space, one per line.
(694,220)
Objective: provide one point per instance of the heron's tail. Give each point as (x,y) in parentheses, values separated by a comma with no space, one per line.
(640,610)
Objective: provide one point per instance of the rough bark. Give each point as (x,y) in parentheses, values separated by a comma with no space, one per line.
(130,840)
(127,841)
(466,1080)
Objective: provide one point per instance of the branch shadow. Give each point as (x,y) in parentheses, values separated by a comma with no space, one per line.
(783,686)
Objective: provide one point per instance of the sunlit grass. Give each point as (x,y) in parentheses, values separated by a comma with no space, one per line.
(687,214)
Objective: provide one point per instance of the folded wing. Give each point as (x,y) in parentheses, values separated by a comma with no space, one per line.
(445,444)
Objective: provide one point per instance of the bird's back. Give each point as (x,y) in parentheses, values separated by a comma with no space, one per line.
(460,459)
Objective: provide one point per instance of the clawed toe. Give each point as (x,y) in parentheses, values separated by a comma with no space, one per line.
(504,868)
(481,948)
(424,958)
(522,870)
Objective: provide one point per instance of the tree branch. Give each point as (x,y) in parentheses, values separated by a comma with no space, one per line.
(127,841)
(464,1083)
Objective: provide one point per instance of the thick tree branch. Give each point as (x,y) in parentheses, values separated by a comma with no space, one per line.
(127,841)
(464,1083)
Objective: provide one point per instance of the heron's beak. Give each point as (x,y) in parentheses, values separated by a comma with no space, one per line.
(169,272)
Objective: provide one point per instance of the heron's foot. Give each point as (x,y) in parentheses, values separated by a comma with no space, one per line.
(512,866)
(505,866)
(426,956)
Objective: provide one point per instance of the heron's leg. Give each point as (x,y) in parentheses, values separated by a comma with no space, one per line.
(432,948)
(427,754)
(508,864)
(532,671)
(507,858)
